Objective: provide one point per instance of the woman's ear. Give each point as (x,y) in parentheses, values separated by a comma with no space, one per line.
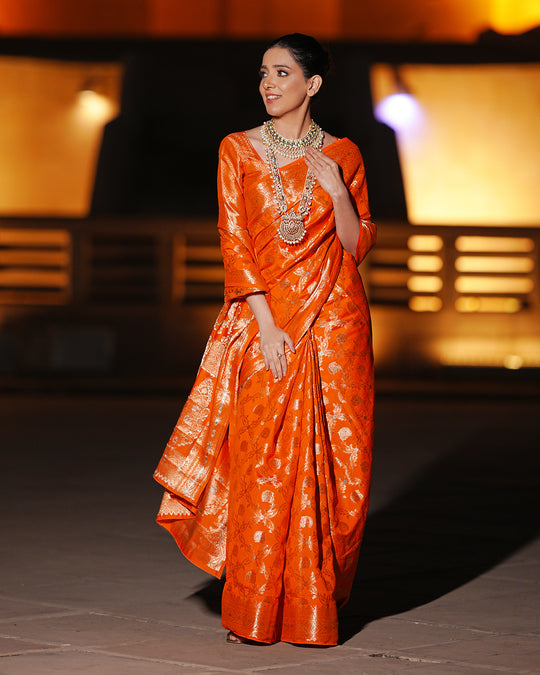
(314,84)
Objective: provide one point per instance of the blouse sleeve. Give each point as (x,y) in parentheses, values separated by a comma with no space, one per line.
(242,274)
(358,190)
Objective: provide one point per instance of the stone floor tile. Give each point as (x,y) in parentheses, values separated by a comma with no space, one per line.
(19,608)
(209,649)
(387,635)
(83,630)
(140,639)
(515,653)
(112,595)
(88,663)
(528,572)
(485,604)
(369,665)
(13,645)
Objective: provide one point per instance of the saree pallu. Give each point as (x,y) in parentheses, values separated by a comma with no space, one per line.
(271,478)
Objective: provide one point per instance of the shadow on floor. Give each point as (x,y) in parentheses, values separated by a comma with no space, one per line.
(456,519)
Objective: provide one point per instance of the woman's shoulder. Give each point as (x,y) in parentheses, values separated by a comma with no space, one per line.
(345,151)
(343,144)
(238,140)
(237,148)
(230,141)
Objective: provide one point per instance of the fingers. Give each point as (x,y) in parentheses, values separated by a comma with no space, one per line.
(325,170)
(281,369)
(275,357)
(317,158)
(319,163)
(313,161)
(278,365)
(290,343)
(274,360)
(273,345)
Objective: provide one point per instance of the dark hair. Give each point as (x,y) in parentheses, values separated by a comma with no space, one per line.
(310,55)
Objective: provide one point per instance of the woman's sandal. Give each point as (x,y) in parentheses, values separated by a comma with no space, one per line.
(234,639)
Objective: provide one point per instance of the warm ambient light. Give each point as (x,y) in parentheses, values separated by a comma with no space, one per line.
(507,264)
(483,305)
(496,352)
(95,105)
(469,244)
(513,362)
(484,284)
(424,284)
(50,132)
(425,263)
(509,16)
(476,121)
(421,243)
(425,303)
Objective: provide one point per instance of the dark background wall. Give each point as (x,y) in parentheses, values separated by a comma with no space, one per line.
(159,156)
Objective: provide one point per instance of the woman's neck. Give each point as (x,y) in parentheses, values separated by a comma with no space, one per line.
(293,126)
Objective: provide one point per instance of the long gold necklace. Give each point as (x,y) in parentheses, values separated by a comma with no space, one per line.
(291,228)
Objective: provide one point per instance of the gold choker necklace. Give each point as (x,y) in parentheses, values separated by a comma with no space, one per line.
(291,228)
(293,148)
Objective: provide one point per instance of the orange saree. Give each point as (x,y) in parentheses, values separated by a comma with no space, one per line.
(271,478)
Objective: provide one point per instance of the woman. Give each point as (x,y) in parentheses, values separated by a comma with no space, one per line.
(268,469)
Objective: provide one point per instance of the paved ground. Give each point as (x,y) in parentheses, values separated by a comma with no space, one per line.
(449,575)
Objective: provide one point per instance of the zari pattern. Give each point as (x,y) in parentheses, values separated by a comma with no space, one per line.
(272,478)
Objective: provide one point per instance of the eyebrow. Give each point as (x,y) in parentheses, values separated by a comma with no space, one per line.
(275,66)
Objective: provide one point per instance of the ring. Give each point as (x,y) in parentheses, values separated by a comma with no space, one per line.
(280,355)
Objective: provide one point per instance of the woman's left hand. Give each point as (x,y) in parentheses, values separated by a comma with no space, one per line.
(326,171)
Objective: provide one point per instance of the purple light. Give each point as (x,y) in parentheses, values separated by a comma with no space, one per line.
(399,111)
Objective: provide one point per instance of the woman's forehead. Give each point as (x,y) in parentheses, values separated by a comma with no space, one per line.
(277,56)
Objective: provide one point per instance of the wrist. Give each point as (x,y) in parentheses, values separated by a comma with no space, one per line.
(340,193)
(266,323)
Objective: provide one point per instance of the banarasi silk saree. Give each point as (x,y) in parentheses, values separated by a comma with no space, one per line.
(271,478)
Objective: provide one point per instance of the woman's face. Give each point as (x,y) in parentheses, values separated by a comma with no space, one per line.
(283,86)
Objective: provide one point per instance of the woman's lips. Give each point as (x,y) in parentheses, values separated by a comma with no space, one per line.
(271,98)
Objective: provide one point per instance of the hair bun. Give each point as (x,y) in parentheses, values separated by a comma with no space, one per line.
(308,52)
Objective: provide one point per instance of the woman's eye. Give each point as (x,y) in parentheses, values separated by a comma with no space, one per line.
(262,74)
(282,73)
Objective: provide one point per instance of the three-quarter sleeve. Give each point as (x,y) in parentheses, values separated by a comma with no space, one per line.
(242,274)
(358,189)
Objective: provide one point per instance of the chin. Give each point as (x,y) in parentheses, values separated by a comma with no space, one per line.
(273,111)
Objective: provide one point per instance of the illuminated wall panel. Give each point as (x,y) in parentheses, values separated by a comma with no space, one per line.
(473,154)
(50,133)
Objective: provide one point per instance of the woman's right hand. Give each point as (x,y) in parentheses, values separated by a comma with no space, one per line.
(272,338)
(273,341)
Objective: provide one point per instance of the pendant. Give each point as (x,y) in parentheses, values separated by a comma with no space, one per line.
(291,228)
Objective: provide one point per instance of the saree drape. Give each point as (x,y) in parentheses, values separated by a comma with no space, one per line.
(271,478)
